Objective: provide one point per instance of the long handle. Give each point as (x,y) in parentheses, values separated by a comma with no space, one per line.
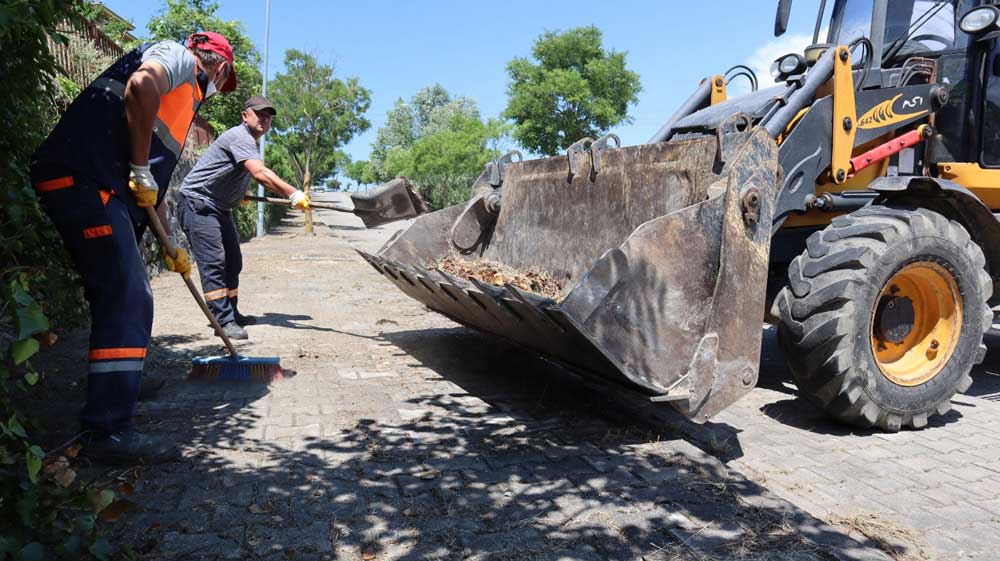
(285,202)
(161,234)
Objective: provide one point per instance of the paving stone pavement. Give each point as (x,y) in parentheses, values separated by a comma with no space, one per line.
(404,436)
(942,483)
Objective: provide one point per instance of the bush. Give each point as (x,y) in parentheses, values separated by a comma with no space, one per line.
(44,513)
(246,216)
(28,244)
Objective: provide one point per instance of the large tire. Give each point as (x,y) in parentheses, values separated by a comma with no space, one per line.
(831,329)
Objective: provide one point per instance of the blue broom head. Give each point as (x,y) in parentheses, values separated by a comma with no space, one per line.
(237,369)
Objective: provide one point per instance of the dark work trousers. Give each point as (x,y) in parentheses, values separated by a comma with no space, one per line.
(216,248)
(100,237)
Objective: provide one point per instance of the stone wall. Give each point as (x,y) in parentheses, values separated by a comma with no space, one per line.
(199,137)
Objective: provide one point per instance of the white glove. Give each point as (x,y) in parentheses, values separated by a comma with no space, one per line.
(299,200)
(143,185)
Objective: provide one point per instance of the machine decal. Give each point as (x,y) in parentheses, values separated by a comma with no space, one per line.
(883,115)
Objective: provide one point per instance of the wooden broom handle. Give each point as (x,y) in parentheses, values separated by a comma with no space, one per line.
(161,234)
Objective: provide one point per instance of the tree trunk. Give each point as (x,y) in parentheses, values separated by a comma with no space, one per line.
(309,213)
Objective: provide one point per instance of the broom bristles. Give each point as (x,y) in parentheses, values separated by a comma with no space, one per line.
(236,369)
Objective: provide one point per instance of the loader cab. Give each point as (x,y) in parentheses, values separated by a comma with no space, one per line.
(905,35)
(919,42)
(902,28)
(987,125)
(897,29)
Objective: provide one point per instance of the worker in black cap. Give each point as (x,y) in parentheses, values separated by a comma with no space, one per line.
(205,205)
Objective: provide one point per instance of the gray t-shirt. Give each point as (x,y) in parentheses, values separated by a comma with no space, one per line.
(175,59)
(219,177)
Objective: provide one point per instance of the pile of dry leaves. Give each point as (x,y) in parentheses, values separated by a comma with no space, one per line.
(491,272)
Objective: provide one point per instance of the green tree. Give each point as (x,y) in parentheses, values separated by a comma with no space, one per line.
(445,163)
(360,172)
(178,19)
(116,29)
(430,110)
(574,89)
(317,114)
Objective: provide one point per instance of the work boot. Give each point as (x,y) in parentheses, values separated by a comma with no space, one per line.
(150,387)
(129,447)
(243,321)
(234,331)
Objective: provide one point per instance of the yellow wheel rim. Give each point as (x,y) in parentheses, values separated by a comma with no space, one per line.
(916,323)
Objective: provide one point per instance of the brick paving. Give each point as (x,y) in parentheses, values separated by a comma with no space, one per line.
(403,436)
(942,483)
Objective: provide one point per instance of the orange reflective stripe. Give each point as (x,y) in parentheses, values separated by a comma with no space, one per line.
(54,184)
(105,197)
(177,111)
(97,232)
(234,292)
(122,352)
(215,294)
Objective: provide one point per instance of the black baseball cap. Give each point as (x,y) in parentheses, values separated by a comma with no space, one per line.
(259,103)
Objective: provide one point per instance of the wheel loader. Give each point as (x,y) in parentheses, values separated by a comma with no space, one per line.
(851,203)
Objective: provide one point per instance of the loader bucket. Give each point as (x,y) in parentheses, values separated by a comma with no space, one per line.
(662,253)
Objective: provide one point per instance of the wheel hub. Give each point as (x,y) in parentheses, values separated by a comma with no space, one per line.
(895,317)
(916,323)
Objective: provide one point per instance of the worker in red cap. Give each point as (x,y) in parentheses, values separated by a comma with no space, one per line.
(108,159)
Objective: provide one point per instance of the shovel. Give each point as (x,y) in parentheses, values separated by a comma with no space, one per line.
(389,202)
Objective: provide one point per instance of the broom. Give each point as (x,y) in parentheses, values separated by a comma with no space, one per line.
(229,368)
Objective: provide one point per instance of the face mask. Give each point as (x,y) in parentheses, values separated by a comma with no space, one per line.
(207,86)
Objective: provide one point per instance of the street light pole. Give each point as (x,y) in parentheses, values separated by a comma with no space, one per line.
(260,188)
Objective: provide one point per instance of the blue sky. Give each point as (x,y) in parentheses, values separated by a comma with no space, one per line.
(396,48)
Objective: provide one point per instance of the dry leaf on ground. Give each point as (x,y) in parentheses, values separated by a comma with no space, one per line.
(429,473)
(60,471)
(115,510)
(260,509)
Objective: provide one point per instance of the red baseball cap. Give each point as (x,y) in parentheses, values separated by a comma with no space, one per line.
(219,45)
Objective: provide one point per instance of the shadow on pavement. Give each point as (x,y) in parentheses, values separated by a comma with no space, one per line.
(62,391)
(289,321)
(338,227)
(540,471)
(986,377)
(554,422)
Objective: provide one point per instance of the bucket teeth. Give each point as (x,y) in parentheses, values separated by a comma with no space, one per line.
(536,304)
(499,296)
(507,311)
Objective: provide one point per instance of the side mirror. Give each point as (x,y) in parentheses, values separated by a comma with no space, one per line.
(781,18)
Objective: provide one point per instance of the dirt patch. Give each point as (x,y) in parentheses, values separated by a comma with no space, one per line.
(532,280)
